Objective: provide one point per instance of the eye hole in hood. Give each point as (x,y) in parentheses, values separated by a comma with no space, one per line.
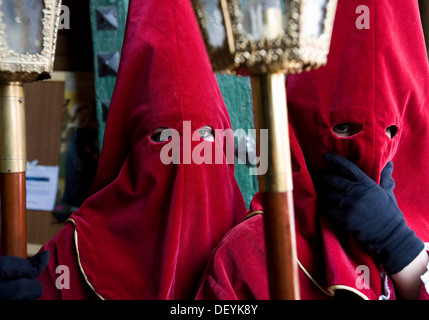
(346,129)
(206,133)
(163,134)
(391,131)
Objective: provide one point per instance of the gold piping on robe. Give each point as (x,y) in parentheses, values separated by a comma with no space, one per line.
(78,260)
(330,291)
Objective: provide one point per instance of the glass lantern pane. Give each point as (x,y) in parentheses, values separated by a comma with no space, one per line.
(263,18)
(312,17)
(23,21)
(214,21)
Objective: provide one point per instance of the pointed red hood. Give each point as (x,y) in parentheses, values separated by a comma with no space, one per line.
(375,78)
(148,228)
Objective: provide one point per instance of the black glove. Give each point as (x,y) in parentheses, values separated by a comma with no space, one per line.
(18,277)
(368,211)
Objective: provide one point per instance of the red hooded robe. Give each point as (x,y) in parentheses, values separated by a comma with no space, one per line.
(376,78)
(148,229)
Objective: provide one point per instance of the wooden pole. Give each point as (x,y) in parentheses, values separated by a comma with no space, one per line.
(12,170)
(13,214)
(271,123)
(281,256)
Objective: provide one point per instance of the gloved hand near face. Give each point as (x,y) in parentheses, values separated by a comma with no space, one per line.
(18,277)
(368,211)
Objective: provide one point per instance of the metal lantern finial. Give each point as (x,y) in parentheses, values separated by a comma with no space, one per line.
(267,39)
(266,36)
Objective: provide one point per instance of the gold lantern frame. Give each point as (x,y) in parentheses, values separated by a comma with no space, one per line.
(28,67)
(290,52)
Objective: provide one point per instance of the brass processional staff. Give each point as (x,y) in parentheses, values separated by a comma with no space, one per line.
(28,31)
(267,39)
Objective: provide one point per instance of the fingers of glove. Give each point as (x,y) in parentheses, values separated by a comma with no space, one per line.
(14,268)
(386,180)
(343,166)
(329,192)
(331,181)
(21,289)
(39,262)
(330,198)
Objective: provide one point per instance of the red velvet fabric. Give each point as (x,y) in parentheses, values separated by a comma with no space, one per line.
(148,228)
(62,278)
(375,77)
